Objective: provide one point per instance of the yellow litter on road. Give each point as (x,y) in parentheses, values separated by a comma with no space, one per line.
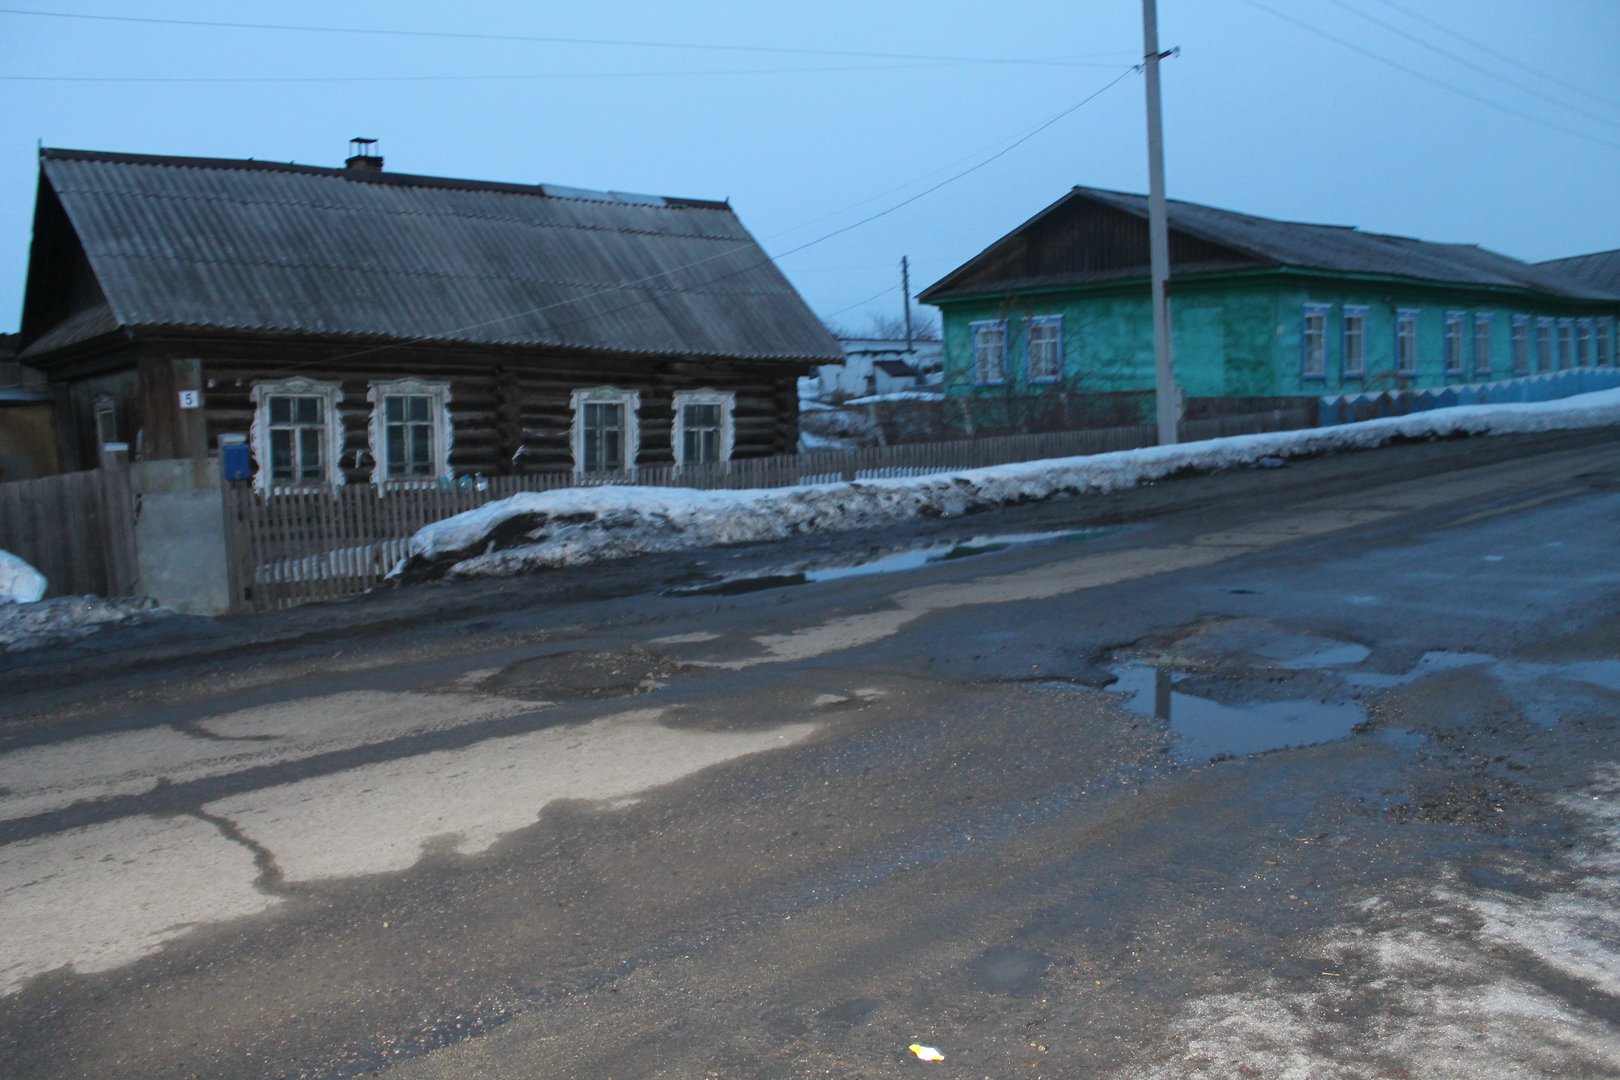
(926,1053)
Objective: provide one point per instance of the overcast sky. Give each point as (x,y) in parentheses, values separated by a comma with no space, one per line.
(1494,122)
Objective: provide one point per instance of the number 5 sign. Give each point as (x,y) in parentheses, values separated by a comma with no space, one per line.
(191,399)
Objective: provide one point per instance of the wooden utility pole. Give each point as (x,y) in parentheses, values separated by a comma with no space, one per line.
(1164,372)
(905,291)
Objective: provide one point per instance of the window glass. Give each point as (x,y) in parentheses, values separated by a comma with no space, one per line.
(1313,364)
(1521,344)
(1045,349)
(408,435)
(1406,342)
(989,352)
(1454,342)
(1482,344)
(297,438)
(604,436)
(1354,360)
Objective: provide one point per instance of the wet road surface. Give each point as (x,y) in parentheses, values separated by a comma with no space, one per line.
(1298,772)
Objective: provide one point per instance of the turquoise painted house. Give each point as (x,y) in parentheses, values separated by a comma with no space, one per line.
(1261,310)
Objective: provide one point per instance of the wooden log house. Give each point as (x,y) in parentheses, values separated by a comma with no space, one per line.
(361,326)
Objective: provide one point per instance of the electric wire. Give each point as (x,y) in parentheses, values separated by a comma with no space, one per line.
(1473,66)
(1416,74)
(527,77)
(1501,56)
(860,303)
(546,39)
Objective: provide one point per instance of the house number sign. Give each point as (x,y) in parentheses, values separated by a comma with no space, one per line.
(191,399)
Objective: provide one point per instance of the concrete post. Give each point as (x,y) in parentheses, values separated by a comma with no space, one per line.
(180,534)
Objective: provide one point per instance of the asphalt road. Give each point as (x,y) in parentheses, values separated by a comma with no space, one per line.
(1298,772)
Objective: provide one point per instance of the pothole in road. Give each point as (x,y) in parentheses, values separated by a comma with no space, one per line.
(889,562)
(1228,687)
(1207,730)
(572,676)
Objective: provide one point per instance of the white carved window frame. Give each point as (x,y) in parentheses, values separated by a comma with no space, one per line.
(726,399)
(438,395)
(606,395)
(259,434)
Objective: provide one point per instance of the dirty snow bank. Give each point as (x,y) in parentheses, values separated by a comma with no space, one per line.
(584,525)
(20,583)
(69,618)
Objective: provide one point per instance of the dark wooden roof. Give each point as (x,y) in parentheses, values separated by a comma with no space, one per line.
(1092,236)
(225,245)
(1601,269)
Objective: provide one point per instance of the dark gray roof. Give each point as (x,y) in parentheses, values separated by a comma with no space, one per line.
(1601,269)
(263,247)
(1338,249)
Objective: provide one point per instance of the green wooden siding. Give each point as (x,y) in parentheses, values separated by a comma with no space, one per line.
(1243,337)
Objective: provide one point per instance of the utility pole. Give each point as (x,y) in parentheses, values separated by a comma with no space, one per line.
(1164,372)
(905,291)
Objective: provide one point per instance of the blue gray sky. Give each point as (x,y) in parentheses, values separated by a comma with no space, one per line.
(1494,122)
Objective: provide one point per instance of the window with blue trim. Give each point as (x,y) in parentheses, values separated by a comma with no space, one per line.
(1482,343)
(1454,342)
(1583,342)
(1044,348)
(1521,344)
(1313,342)
(1544,344)
(1605,341)
(1353,343)
(1406,341)
(990,352)
(1566,343)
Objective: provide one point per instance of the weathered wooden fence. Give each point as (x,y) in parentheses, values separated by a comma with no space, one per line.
(77,528)
(296,545)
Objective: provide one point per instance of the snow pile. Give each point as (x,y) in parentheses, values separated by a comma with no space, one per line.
(897,395)
(583,525)
(69,618)
(19,582)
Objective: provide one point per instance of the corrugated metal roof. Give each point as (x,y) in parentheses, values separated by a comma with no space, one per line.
(255,246)
(1329,248)
(1601,269)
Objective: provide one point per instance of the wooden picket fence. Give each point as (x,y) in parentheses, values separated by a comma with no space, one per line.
(294,545)
(75,528)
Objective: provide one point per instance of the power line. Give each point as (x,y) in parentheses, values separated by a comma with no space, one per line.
(650,278)
(1416,74)
(1471,65)
(1501,56)
(549,75)
(861,303)
(545,39)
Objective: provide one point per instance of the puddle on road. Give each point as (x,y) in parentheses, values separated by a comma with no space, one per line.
(1205,730)
(886,563)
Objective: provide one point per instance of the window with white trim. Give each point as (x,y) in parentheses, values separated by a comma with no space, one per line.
(1521,344)
(1454,342)
(1544,344)
(1313,342)
(1353,343)
(1044,344)
(106,409)
(1566,343)
(1406,341)
(1583,342)
(410,430)
(703,428)
(1482,343)
(606,432)
(1605,341)
(989,352)
(297,434)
